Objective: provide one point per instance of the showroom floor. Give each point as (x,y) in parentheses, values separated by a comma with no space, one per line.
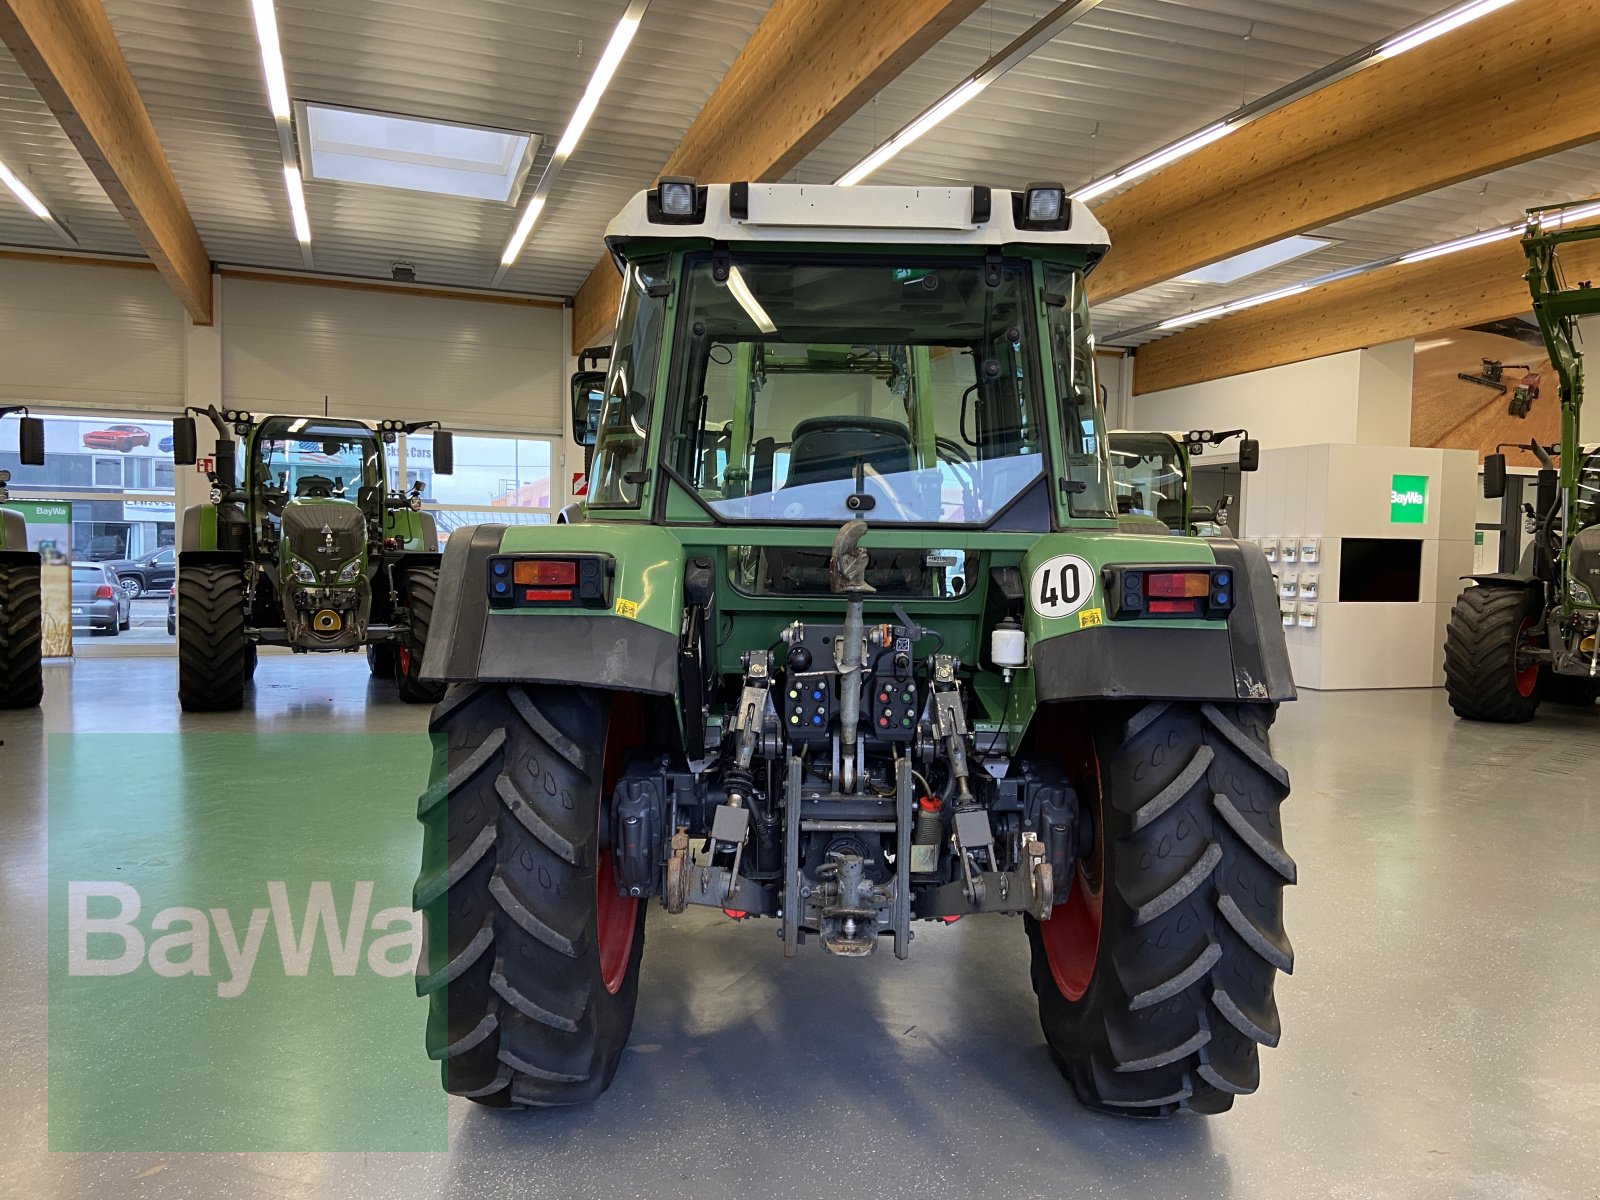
(1439,1033)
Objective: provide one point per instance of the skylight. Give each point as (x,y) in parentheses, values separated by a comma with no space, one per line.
(383,150)
(1251,262)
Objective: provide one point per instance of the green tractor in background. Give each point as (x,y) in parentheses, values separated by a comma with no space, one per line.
(21,603)
(319,549)
(1153,475)
(1517,638)
(845,635)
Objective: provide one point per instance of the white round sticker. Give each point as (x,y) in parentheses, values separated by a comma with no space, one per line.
(1061,586)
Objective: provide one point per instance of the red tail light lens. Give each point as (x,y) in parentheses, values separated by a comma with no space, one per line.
(1186,584)
(1173,608)
(105,592)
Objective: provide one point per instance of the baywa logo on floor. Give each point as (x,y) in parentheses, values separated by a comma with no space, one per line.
(186,950)
(231,944)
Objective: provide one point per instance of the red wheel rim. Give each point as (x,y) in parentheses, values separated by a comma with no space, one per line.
(1527,677)
(1072,934)
(615,915)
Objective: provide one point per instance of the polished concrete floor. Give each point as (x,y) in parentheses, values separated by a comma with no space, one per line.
(1441,1033)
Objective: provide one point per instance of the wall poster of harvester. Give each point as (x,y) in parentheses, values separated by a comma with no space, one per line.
(1481,387)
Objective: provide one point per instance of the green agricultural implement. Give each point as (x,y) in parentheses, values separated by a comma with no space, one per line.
(320,549)
(1152,474)
(21,608)
(845,636)
(1518,638)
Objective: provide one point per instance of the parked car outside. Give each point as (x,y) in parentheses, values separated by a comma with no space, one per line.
(98,602)
(172,611)
(148,573)
(117,437)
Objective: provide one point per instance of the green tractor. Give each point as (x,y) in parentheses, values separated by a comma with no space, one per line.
(321,548)
(1152,473)
(1518,638)
(21,607)
(845,636)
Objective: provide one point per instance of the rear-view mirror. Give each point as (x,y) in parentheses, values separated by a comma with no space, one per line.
(1494,476)
(1249,455)
(588,396)
(444,452)
(185,448)
(30,441)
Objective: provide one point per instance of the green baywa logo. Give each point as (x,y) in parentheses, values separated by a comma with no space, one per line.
(185,944)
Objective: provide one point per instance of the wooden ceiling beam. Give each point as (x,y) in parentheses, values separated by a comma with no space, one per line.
(69,51)
(1512,86)
(807,68)
(1402,301)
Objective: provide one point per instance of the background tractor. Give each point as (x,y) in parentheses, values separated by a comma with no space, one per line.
(1515,639)
(320,548)
(1152,473)
(845,636)
(21,610)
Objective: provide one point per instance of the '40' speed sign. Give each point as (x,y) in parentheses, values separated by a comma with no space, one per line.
(1061,586)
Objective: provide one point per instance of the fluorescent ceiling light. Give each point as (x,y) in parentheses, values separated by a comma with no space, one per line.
(598,82)
(1253,262)
(384,150)
(1459,244)
(297,203)
(912,132)
(747,301)
(604,71)
(23,193)
(1442,24)
(524,228)
(1040,33)
(271,58)
(1153,162)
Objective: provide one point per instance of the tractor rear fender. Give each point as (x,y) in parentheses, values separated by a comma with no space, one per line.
(629,645)
(1083,653)
(1504,579)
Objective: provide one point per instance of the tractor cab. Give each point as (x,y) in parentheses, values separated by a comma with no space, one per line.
(303,470)
(1152,475)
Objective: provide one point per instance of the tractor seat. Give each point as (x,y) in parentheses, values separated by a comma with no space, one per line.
(1170,512)
(314,487)
(825,449)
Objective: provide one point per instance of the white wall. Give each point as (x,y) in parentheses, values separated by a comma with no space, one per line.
(116,340)
(1331,492)
(1359,396)
(82,336)
(470,364)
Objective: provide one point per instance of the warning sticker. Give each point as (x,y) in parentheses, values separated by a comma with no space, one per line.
(627,608)
(1091,616)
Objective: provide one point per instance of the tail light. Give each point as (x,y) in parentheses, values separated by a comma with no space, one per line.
(1169,591)
(105,592)
(532,581)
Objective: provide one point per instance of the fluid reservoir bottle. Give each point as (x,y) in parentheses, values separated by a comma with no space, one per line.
(1008,645)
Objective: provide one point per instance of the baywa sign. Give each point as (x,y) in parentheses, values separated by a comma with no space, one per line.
(178,941)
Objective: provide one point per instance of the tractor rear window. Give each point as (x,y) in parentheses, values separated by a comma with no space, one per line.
(814,392)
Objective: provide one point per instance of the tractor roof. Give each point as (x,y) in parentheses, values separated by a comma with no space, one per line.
(755,213)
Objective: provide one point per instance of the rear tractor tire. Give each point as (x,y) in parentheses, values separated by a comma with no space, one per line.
(215,660)
(380,660)
(530,957)
(1488,628)
(420,586)
(21,636)
(1155,976)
